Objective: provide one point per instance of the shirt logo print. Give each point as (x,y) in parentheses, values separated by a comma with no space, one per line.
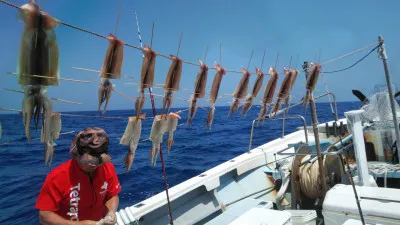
(103,189)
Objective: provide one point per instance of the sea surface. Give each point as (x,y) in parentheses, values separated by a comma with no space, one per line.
(195,150)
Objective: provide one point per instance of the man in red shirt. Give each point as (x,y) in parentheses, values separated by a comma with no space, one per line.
(83,190)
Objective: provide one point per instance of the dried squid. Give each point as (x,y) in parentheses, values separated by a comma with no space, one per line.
(240,91)
(131,138)
(148,68)
(38,53)
(312,79)
(171,82)
(156,137)
(214,93)
(113,60)
(294,77)
(199,91)
(268,93)
(35,104)
(201,80)
(146,77)
(111,69)
(50,132)
(256,88)
(284,90)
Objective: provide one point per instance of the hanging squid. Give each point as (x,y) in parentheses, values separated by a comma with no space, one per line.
(284,90)
(131,138)
(38,53)
(214,93)
(268,94)
(50,132)
(312,79)
(240,91)
(172,123)
(256,88)
(156,137)
(171,82)
(146,77)
(294,77)
(201,81)
(199,91)
(148,68)
(104,94)
(113,60)
(35,104)
(111,69)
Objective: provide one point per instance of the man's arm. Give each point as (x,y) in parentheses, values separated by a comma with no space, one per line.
(52,218)
(112,206)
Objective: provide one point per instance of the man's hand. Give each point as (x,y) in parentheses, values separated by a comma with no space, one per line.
(88,222)
(110,219)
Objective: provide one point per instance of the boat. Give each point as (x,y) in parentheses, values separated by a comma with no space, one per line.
(279,181)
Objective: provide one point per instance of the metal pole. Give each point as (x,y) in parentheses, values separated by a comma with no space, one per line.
(317,143)
(283,123)
(251,135)
(383,56)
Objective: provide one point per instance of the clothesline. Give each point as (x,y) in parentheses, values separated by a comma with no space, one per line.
(184,61)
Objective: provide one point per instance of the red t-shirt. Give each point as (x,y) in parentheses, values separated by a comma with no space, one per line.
(69,192)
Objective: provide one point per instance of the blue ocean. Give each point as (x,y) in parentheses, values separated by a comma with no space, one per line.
(195,150)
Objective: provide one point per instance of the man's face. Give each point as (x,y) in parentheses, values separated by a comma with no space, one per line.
(88,163)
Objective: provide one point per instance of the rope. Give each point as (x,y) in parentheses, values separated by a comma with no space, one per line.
(101,117)
(309,179)
(349,54)
(335,71)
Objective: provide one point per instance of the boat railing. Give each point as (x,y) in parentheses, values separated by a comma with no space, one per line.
(281,118)
(273,117)
(336,118)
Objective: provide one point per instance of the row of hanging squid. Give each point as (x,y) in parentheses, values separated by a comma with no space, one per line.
(38,68)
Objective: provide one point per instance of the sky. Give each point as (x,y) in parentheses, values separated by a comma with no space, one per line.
(297,29)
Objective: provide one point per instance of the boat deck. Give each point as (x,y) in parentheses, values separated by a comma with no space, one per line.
(238,184)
